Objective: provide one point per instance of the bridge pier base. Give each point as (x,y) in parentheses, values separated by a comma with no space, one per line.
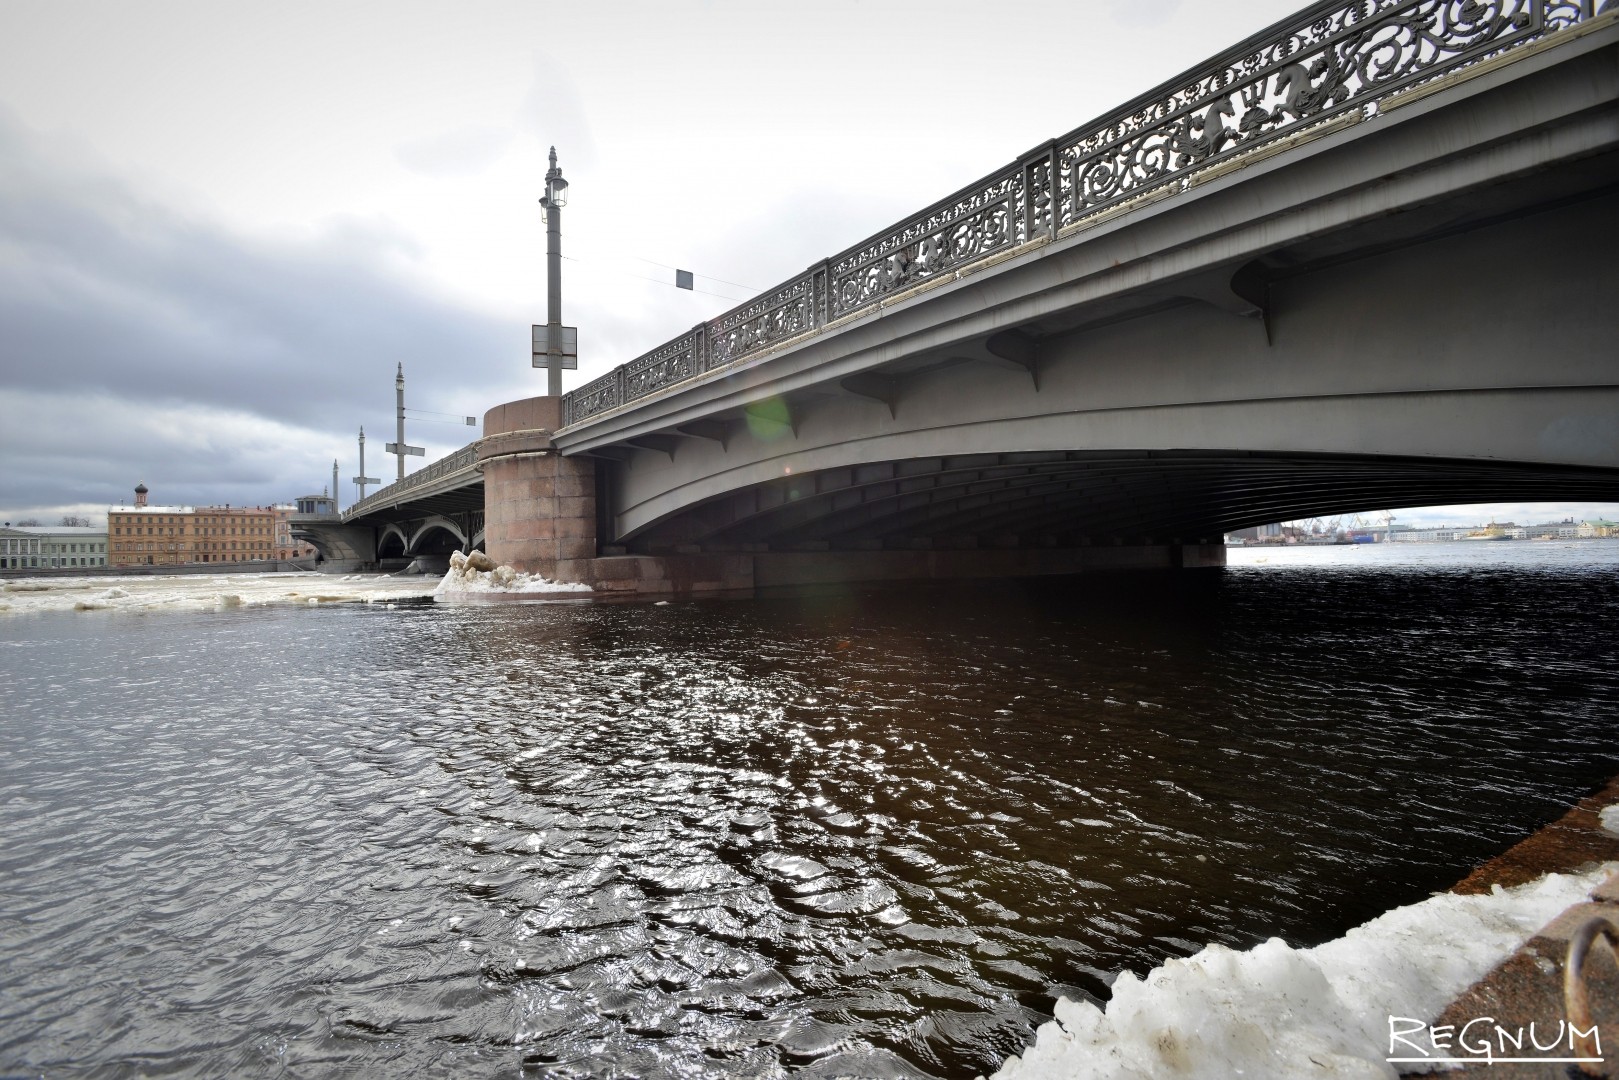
(664,575)
(812,568)
(539,507)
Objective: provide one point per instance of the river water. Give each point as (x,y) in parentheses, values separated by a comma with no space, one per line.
(863,832)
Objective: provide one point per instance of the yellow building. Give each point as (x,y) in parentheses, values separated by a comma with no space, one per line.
(146,535)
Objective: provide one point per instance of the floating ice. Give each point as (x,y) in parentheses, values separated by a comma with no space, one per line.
(1276,1011)
(477,574)
(181,592)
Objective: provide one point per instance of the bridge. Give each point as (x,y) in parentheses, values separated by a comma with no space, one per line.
(1361,259)
(436,510)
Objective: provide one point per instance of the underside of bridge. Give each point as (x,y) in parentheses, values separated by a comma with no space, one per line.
(1066,498)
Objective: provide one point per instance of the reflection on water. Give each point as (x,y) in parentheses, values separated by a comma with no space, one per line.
(860,833)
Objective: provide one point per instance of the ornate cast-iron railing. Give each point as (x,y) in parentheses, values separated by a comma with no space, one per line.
(1329,60)
(464,458)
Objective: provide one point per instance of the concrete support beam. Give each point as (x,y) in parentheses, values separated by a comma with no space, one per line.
(883,388)
(343,548)
(1017,347)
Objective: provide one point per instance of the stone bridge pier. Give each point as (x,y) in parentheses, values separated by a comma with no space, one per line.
(539,507)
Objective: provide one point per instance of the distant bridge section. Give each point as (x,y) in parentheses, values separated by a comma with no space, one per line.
(434,511)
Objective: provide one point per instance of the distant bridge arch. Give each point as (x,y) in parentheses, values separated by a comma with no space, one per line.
(419,541)
(392,541)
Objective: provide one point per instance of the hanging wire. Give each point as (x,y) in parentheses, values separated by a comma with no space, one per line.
(460,418)
(658,281)
(734,284)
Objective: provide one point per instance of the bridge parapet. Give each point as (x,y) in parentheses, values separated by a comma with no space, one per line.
(462,460)
(1332,60)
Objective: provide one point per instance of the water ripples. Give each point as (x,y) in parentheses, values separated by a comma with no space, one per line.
(862,833)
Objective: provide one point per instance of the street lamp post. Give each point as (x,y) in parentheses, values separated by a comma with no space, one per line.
(552,202)
(401,448)
(363,479)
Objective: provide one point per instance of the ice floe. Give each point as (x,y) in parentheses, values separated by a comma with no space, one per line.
(477,575)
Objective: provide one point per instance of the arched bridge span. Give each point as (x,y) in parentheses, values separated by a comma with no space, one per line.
(1400,306)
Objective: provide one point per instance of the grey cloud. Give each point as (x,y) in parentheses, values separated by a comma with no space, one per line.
(64,450)
(113,299)
(105,291)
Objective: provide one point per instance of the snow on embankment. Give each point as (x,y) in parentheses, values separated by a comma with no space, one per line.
(1275,1011)
(477,575)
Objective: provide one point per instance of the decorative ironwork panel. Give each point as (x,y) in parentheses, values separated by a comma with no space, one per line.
(953,233)
(758,324)
(1038,202)
(664,366)
(595,397)
(1335,58)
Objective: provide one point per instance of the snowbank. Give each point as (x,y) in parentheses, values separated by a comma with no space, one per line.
(1275,1011)
(477,574)
(1609,819)
(197,592)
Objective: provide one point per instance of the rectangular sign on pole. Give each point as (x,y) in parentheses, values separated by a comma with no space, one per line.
(568,347)
(412,451)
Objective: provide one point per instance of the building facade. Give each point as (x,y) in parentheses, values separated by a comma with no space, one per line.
(147,535)
(31,547)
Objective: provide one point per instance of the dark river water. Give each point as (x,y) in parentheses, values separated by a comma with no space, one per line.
(866,832)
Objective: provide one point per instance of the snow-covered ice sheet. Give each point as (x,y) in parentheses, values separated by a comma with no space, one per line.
(477,575)
(202,592)
(1276,1011)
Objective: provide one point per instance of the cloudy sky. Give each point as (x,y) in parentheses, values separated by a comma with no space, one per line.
(223,224)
